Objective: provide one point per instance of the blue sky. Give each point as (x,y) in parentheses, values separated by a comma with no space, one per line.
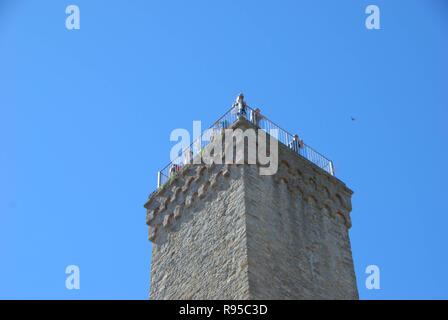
(86,115)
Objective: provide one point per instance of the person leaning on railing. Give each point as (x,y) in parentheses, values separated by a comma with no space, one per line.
(174,168)
(223,125)
(256,117)
(296,144)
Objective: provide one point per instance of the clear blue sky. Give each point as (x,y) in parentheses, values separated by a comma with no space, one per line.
(86,117)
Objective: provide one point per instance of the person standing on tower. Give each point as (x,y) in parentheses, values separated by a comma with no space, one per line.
(295,144)
(241,106)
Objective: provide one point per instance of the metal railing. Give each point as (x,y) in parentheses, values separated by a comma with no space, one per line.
(230,117)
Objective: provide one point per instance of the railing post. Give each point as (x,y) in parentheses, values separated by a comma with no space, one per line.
(331,168)
(159,179)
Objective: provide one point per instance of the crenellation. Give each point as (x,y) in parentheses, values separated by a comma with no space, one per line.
(199,191)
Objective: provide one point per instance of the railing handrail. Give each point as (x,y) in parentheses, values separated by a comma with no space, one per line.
(163,176)
(200,136)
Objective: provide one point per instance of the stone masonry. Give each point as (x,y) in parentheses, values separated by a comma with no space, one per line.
(225,232)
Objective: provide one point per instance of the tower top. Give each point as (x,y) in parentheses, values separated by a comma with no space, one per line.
(241,110)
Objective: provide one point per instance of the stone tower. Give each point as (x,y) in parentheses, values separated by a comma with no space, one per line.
(223,231)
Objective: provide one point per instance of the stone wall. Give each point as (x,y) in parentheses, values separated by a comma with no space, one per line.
(297,233)
(199,236)
(225,232)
